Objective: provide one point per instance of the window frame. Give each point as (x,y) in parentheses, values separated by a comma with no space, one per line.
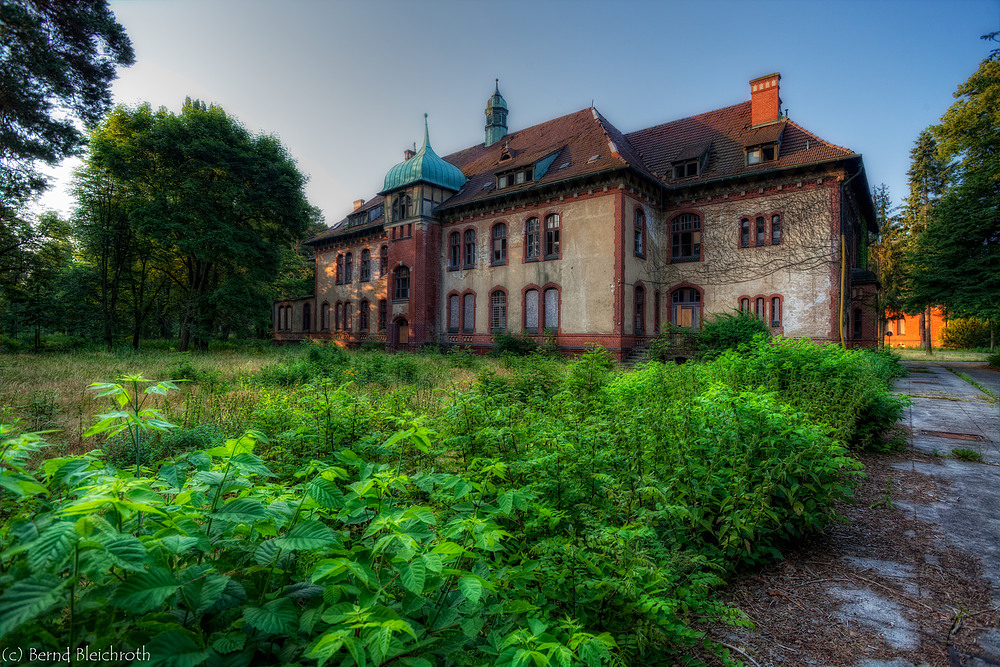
(498,252)
(639,233)
(677,235)
(553,237)
(306,317)
(365,270)
(348,317)
(469,248)
(348,268)
(538,312)
(340,269)
(776,225)
(454,251)
(697,311)
(760,231)
(639,309)
(401,287)
(498,298)
(547,326)
(456,310)
(532,239)
(383,314)
(744,232)
(364,316)
(465,312)
(324,316)
(383,261)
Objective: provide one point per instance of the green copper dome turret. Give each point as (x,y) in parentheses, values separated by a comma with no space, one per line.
(496,117)
(424,167)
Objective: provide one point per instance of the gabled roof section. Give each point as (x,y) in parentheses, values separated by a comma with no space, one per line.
(729,132)
(424,167)
(583,143)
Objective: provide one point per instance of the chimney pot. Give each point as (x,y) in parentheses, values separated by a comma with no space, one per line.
(358,203)
(765,105)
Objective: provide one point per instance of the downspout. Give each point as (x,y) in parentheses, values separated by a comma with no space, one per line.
(843,255)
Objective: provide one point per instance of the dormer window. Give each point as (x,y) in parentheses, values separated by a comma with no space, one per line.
(762,153)
(515,178)
(686,168)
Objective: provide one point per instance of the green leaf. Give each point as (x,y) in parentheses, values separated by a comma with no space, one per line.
(471,588)
(506,502)
(241,510)
(326,493)
(145,591)
(306,535)
(275,617)
(126,551)
(53,547)
(230,642)
(178,544)
(414,576)
(327,646)
(28,599)
(432,561)
(250,464)
(175,648)
(206,592)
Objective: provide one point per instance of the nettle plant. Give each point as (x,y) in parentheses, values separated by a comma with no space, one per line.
(354,562)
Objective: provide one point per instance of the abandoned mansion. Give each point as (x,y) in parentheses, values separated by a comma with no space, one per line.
(573,232)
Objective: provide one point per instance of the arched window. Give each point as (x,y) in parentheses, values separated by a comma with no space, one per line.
(499,244)
(761,230)
(306,317)
(639,311)
(383,313)
(775,311)
(363,314)
(685,305)
(551,309)
(858,322)
(531,240)
(498,311)
(454,250)
(402,283)
(324,317)
(348,316)
(745,233)
(383,261)
(453,312)
(745,304)
(366,265)
(338,317)
(685,238)
(640,233)
(531,311)
(348,265)
(340,269)
(552,236)
(775,229)
(760,308)
(469,312)
(470,248)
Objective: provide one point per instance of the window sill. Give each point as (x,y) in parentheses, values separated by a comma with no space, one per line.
(406,300)
(550,257)
(678,260)
(530,259)
(503,263)
(640,255)
(468,266)
(454,268)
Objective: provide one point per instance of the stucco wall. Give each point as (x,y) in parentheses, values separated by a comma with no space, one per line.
(584,272)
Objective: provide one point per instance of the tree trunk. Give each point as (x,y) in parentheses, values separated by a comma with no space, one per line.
(928,337)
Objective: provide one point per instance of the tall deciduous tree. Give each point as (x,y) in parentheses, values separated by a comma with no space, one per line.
(218,202)
(886,254)
(956,257)
(57,61)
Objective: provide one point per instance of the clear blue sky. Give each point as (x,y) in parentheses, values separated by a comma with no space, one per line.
(345,84)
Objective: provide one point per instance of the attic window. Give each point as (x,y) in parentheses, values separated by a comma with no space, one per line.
(564,165)
(594,158)
(686,168)
(515,177)
(762,153)
(505,153)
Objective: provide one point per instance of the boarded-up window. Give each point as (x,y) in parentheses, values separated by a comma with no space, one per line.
(552,308)
(469,313)
(498,311)
(531,311)
(453,312)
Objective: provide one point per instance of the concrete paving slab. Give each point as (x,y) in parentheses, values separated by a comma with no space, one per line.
(863,606)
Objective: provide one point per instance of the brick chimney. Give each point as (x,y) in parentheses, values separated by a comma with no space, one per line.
(407,154)
(358,203)
(765,105)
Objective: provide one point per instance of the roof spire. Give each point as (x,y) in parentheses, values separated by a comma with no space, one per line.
(496,116)
(427,139)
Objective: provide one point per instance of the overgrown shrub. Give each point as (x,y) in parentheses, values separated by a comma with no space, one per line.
(729,331)
(994,359)
(965,333)
(515,344)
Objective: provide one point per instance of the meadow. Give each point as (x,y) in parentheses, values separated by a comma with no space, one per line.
(308,505)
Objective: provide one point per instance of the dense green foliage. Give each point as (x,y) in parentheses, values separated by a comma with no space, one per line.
(963,333)
(728,331)
(57,63)
(548,514)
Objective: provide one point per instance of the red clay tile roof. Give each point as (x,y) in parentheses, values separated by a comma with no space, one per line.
(340,227)
(585,143)
(729,132)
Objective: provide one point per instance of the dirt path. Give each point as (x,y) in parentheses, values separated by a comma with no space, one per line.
(914,578)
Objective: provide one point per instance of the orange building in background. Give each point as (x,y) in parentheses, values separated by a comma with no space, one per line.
(908,331)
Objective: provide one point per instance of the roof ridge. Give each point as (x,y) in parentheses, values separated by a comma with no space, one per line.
(523,129)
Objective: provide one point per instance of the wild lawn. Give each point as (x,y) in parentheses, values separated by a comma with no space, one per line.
(940,354)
